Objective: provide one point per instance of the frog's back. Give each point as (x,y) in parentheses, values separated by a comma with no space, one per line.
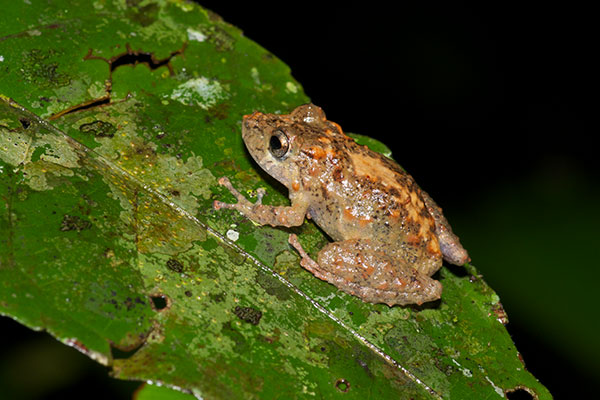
(370,196)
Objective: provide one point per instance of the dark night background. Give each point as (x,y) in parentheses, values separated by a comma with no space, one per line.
(486,106)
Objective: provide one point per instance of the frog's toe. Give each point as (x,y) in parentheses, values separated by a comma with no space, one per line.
(260,193)
(217,205)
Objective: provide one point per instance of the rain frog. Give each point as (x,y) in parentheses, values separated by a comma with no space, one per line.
(388,236)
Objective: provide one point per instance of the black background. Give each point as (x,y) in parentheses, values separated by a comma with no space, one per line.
(468,96)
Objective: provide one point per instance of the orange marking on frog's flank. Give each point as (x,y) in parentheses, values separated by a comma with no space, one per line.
(433,246)
(413,239)
(351,214)
(412,213)
(383,286)
(426,225)
(324,139)
(348,214)
(394,213)
(363,221)
(414,198)
(296,186)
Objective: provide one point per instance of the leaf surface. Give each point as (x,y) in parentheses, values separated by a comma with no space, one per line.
(115,123)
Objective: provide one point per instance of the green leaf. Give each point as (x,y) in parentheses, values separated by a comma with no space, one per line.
(115,122)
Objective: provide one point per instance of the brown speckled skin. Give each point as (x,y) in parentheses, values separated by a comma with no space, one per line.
(389,235)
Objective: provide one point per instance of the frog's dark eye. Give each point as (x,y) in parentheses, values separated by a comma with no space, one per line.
(279,144)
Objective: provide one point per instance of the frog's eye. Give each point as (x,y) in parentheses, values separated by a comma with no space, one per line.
(279,144)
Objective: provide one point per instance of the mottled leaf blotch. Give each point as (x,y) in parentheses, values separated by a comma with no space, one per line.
(248,314)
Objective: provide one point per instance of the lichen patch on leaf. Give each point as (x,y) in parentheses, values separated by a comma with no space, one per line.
(125,142)
(43,156)
(201,92)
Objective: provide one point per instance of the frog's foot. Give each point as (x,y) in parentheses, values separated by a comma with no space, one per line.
(243,204)
(308,263)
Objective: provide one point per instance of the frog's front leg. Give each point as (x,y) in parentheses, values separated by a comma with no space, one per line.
(262,214)
(357,267)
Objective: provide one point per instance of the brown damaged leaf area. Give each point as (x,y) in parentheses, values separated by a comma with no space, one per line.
(129,57)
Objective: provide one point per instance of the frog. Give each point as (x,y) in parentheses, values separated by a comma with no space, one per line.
(388,236)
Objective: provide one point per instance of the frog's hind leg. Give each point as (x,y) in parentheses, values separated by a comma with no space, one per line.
(450,246)
(308,263)
(355,268)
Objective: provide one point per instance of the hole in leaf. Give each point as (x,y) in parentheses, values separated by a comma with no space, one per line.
(138,57)
(520,393)
(159,302)
(25,123)
(135,57)
(125,353)
(342,385)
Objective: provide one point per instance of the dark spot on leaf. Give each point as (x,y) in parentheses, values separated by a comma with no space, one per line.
(25,123)
(342,385)
(520,393)
(115,304)
(248,314)
(74,223)
(273,286)
(129,303)
(159,302)
(175,265)
(99,129)
(217,297)
(145,15)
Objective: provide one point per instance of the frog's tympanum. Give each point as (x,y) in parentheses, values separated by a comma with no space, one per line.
(388,235)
